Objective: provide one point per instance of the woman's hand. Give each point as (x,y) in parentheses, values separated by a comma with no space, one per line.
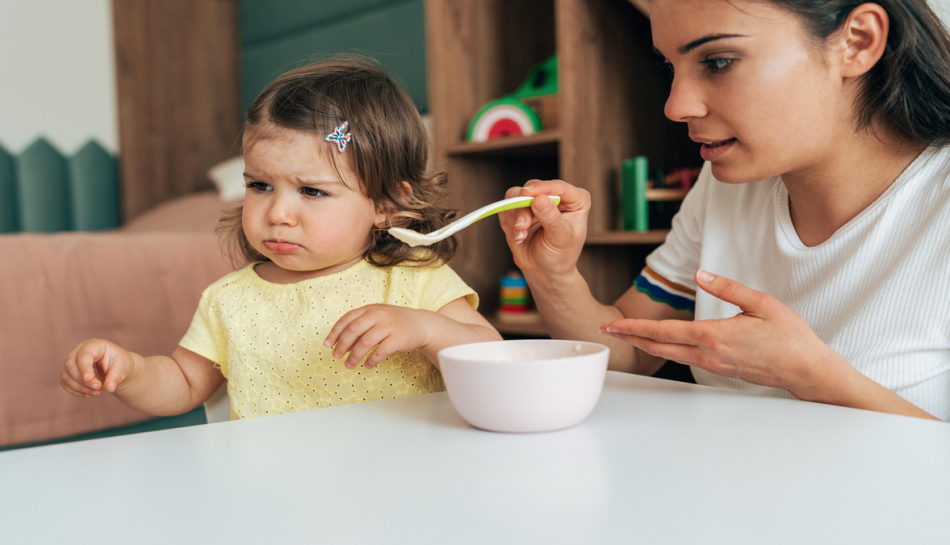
(95,365)
(547,239)
(387,327)
(767,343)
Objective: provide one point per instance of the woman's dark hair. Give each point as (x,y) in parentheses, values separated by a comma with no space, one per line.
(909,88)
(389,146)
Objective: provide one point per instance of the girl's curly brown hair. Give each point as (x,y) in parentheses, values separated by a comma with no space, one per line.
(389,150)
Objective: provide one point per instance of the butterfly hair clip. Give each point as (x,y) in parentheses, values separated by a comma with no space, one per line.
(341,138)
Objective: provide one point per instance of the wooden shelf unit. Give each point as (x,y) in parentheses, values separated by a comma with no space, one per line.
(610,108)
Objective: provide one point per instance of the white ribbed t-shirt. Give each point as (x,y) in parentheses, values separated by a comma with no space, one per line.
(877,291)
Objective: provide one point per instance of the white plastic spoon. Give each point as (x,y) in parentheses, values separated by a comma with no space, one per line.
(414,238)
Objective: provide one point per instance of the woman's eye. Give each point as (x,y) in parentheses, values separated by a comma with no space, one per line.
(258,186)
(312,192)
(718,65)
(668,66)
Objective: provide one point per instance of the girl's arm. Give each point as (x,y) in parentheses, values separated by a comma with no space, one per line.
(155,385)
(391,329)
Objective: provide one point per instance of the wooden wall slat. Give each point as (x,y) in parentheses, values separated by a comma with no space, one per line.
(178,89)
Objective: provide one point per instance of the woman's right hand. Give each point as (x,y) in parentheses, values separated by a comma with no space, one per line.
(547,239)
(95,365)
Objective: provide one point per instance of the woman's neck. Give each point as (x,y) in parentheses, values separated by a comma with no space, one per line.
(829,194)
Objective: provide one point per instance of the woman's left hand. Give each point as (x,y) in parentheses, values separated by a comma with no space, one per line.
(767,343)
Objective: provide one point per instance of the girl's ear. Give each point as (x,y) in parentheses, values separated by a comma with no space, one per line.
(385,211)
(863,38)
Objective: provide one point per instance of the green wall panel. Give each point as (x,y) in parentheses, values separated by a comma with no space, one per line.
(8,199)
(94,186)
(43,189)
(393,33)
(277,19)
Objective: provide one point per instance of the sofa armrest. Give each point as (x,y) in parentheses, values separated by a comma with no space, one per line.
(137,289)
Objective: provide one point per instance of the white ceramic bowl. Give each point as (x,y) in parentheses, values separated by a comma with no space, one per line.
(524,386)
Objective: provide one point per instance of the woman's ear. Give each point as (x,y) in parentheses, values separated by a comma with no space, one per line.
(406,190)
(863,37)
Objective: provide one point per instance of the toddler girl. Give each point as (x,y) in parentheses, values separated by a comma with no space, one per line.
(334,153)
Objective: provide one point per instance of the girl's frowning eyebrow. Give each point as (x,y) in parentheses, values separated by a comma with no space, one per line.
(682,50)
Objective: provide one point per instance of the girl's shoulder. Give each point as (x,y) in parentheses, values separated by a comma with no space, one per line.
(231,279)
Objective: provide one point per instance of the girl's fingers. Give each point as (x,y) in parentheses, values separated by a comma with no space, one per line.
(76,388)
(340,326)
(86,358)
(386,347)
(363,346)
(116,376)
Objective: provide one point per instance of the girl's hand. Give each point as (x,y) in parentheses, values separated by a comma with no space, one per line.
(387,327)
(767,343)
(547,238)
(95,365)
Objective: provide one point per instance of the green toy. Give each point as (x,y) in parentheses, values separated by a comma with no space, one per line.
(515,114)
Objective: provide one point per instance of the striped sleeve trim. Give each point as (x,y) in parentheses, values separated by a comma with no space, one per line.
(662,290)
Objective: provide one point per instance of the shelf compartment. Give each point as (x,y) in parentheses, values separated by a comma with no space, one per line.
(542,143)
(605,238)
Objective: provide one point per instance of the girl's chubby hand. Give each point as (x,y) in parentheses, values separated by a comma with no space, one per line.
(546,237)
(95,365)
(767,343)
(387,327)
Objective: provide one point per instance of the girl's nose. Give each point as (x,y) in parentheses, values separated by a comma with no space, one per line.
(281,212)
(685,101)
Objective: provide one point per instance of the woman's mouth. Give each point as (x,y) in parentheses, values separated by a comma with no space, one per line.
(710,151)
(281,247)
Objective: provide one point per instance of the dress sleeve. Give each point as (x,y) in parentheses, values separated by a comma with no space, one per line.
(440,286)
(668,276)
(200,337)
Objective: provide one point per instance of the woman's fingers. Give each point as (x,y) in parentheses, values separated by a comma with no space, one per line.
(752,302)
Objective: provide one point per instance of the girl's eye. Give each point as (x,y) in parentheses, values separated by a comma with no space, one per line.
(258,186)
(312,192)
(718,65)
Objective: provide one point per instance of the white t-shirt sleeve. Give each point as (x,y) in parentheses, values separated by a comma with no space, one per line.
(669,275)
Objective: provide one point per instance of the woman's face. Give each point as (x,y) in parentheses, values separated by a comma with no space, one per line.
(759,96)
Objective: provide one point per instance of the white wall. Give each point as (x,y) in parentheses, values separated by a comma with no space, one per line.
(57,74)
(942,7)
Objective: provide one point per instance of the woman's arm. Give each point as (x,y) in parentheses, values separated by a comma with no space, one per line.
(767,344)
(155,385)
(546,241)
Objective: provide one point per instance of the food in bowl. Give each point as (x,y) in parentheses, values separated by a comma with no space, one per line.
(524,386)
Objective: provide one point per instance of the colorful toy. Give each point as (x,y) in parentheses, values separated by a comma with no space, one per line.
(515,297)
(526,111)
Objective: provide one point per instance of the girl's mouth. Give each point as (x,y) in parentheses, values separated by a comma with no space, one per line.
(281,247)
(710,151)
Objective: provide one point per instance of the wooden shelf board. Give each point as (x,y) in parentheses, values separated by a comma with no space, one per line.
(542,143)
(666,194)
(534,327)
(656,236)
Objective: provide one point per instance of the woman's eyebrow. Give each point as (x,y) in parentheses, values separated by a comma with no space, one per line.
(704,40)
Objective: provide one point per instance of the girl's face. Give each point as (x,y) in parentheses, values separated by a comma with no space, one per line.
(297,211)
(761,98)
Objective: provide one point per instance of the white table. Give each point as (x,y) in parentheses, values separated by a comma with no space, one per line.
(656,462)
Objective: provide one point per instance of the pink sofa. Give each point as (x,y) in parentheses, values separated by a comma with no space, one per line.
(137,286)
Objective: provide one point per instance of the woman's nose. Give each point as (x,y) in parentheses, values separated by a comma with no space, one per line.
(685,101)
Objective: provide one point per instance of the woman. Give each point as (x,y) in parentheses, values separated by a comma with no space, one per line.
(816,242)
